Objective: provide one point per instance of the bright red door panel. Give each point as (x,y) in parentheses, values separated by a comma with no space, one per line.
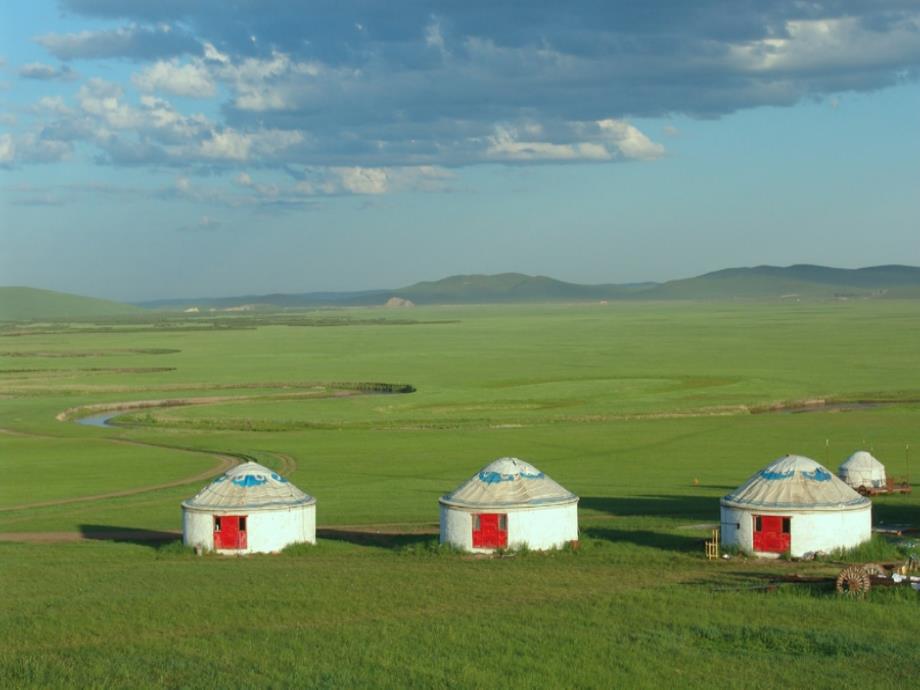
(771,533)
(230,532)
(490,531)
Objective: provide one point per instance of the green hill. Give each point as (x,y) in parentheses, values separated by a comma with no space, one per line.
(801,281)
(507,287)
(32,304)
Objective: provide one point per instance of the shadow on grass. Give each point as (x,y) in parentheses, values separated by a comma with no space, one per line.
(655,540)
(895,510)
(386,540)
(690,507)
(155,539)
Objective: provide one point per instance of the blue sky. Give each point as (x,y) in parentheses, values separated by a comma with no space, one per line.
(202,147)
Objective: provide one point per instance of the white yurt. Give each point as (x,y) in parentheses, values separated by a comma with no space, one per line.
(862,470)
(509,503)
(794,506)
(250,509)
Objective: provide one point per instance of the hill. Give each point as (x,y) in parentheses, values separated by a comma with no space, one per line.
(509,287)
(802,281)
(458,289)
(32,304)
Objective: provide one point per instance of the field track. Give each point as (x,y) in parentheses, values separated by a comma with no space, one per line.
(367,534)
(224,462)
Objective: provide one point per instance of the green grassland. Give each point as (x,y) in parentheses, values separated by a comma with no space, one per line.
(32,304)
(649,411)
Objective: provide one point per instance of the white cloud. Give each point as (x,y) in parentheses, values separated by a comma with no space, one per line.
(53,104)
(504,145)
(192,79)
(364,180)
(214,55)
(830,43)
(39,70)
(230,144)
(7,149)
(32,147)
(630,141)
(102,99)
(131,41)
(434,38)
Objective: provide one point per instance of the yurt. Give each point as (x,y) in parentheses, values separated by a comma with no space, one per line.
(509,503)
(794,506)
(250,509)
(862,470)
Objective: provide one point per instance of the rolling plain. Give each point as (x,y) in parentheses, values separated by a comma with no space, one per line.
(648,411)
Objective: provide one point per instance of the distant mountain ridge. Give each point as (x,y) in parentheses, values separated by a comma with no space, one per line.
(806,281)
(800,281)
(803,281)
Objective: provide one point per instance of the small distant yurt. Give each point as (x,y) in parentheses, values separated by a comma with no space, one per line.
(509,503)
(794,506)
(250,509)
(862,470)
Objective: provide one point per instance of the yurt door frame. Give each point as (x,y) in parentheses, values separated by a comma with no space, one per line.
(490,530)
(230,532)
(772,533)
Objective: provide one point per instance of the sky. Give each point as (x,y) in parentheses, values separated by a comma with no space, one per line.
(193,148)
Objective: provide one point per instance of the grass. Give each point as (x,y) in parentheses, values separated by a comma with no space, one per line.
(23,303)
(642,410)
(878,550)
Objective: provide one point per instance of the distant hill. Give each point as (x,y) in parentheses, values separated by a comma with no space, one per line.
(509,287)
(32,304)
(459,289)
(801,281)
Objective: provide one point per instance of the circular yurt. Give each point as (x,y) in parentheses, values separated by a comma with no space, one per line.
(509,503)
(862,470)
(249,509)
(794,506)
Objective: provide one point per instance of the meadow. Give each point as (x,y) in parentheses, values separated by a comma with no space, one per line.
(648,411)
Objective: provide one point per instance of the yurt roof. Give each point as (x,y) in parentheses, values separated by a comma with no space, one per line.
(795,482)
(508,483)
(250,486)
(862,460)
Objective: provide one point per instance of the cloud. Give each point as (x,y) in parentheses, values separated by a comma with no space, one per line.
(504,145)
(630,142)
(41,71)
(204,223)
(40,146)
(310,184)
(7,149)
(229,144)
(191,80)
(132,42)
(360,91)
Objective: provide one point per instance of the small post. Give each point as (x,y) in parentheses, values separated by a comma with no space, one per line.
(827,452)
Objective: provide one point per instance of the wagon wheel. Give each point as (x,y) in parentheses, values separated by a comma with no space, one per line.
(875,569)
(853,581)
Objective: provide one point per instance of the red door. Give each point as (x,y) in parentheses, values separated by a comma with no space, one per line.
(490,530)
(771,533)
(229,531)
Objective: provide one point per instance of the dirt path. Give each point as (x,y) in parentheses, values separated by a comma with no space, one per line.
(224,464)
(383,533)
